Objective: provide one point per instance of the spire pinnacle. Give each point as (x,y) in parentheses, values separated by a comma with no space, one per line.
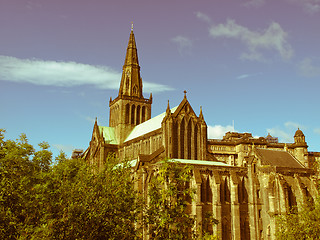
(185,93)
(131,82)
(168,106)
(201,115)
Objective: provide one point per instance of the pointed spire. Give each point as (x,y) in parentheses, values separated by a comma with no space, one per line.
(168,107)
(95,124)
(201,114)
(131,82)
(132,54)
(185,93)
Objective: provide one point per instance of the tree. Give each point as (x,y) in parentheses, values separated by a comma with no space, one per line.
(20,171)
(169,196)
(302,224)
(85,204)
(166,215)
(65,200)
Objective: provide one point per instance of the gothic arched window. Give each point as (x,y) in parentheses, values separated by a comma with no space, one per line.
(182,130)
(138,115)
(189,134)
(133,110)
(127,113)
(135,90)
(143,113)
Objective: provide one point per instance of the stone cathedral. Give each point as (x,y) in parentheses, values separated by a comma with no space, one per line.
(244,182)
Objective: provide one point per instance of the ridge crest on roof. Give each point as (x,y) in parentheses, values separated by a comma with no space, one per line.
(148,126)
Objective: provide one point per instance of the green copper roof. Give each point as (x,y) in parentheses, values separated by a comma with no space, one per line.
(148,126)
(200,162)
(108,134)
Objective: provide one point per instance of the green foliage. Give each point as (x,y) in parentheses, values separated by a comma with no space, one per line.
(304,224)
(20,167)
(67,200)
(84,204)
(169,193)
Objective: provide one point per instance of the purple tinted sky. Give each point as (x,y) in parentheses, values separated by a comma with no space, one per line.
(256,62)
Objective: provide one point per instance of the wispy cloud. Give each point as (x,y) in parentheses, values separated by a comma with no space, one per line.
(293,125)
(203,17)
(283,135)
(64,148)
(254,3)
(310,6)
(317,131)
(272,38)
(286,132)
(64,74)
(184,43)
(244,76)
(90,119)
(31,4)
(219,131)
(308,69)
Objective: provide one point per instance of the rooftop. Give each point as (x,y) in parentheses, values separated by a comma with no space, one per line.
(148,126)
(277,158)
(108,134)
(201,162)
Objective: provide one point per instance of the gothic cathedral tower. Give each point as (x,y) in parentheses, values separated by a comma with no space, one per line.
(130,108)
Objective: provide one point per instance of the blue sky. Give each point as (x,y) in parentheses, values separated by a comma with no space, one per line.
(254,62)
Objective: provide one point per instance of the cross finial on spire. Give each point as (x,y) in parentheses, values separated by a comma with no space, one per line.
(131,26)
(185,93)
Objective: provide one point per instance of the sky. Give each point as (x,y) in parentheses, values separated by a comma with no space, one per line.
(253,65)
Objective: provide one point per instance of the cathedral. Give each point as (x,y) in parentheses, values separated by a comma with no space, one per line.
(243,181)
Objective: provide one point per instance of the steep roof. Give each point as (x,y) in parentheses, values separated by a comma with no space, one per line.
(108,134)
(277,158)
(148,126)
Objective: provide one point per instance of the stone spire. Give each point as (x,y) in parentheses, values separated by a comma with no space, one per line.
(201,118)
(131,82)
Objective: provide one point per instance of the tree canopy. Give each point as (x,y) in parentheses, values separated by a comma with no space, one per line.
(302,223)
(65,200)
(42,198)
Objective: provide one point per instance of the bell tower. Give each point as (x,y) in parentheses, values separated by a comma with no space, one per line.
(130,108)
(300,148)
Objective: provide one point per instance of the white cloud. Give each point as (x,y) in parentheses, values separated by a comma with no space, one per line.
(244,76)
(272,38)
(310,6)
(203,17)
(184,43)
(317,130)
(64,74)
(255,3)
(283,135)
(64,148)
(308,69)
(286,133)
(90,119)
(293,125)
(218,131)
